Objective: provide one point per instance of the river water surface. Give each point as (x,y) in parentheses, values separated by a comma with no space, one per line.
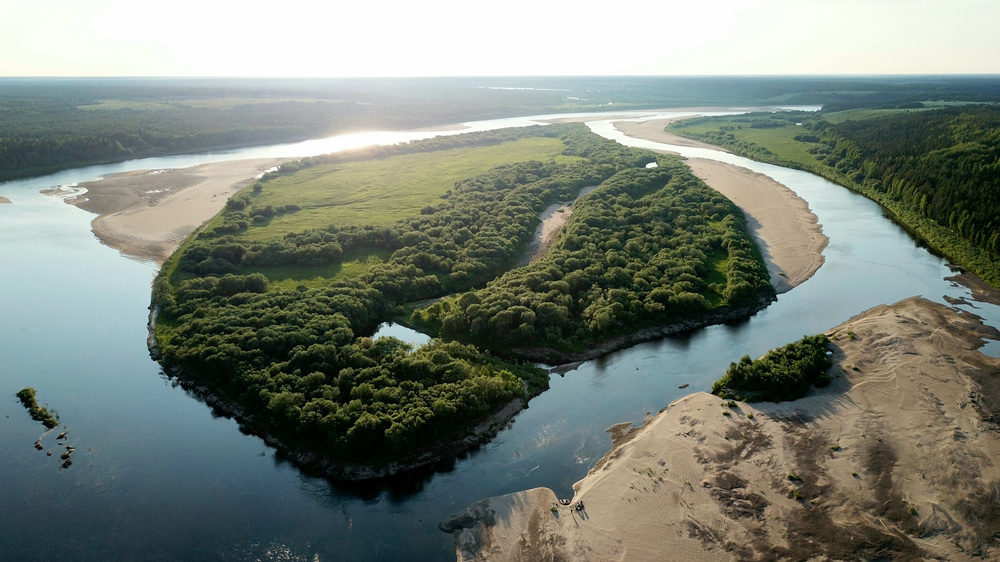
(157,476)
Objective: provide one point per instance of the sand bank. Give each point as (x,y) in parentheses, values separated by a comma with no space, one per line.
(898,458)
(553,218)
(653,130)
(785,229)
(146,214)
(4,200)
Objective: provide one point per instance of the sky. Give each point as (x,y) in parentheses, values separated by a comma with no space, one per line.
(314,38)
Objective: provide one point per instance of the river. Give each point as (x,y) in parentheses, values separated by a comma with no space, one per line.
(158,476)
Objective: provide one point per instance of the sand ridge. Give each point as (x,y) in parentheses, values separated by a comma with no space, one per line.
(898,458)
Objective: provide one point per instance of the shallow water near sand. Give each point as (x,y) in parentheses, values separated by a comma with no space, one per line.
(157,476)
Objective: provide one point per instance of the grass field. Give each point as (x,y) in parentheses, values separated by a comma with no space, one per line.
(353,264)
(779,140)
(382,191)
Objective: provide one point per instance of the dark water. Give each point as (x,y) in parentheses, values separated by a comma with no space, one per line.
(157,477)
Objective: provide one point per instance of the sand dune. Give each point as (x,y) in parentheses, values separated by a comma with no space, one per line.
(898,459)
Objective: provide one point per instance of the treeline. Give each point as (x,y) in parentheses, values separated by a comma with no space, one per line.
(43,137)
(47,125)
(785,373)
(650,247)
(936,171)
(299,361)
(944,163)
(51,124)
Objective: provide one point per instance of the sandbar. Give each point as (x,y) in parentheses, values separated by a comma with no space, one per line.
(553,218)
(4,200)
(787,232)
(899,458)
(146,214)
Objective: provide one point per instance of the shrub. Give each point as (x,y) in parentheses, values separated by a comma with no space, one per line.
(786,373)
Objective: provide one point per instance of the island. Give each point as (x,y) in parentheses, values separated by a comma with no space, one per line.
(267,310)
(895,459)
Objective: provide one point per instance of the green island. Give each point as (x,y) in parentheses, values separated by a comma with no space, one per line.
(38,412)
(270,307)
(932,166)
(785,373)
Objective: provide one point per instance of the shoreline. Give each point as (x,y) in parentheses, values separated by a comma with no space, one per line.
(786,230)
(845,472)
(147,214)
(723,315)
(318,464)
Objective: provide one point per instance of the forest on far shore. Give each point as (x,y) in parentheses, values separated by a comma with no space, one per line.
(936,168)
(49,124)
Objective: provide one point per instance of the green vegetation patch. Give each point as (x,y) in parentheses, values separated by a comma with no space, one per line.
(649,247)
(779,133)
(935,170)
(38,413)
(298,359)
(380,191)
(279,326)
(786,373)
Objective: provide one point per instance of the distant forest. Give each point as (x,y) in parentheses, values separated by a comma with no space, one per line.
(52,124)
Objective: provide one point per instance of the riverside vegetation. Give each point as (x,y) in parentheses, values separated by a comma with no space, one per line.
(936,169)
(785,373)
(38,413)
(272,303)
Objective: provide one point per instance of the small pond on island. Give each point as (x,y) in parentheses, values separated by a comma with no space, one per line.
(158,476)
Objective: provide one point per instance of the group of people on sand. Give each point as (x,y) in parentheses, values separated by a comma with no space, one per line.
(578,506)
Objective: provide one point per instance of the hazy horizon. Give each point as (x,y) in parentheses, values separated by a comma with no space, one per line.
(445,38)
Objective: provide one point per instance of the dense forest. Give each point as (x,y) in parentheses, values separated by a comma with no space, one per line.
(785,373)
(300,360)
(936,170)
(651,246)
(52,124)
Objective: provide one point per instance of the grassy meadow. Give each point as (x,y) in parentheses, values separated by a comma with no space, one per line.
(383,191)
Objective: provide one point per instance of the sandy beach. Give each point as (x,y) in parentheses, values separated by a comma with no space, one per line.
(146,214)
(899,458)
(786,230)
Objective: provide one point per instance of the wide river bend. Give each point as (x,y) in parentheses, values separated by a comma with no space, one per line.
(158,476)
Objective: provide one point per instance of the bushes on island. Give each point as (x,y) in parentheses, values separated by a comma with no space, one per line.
(648,244)
(38,413)
(650,247)
(786,373)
